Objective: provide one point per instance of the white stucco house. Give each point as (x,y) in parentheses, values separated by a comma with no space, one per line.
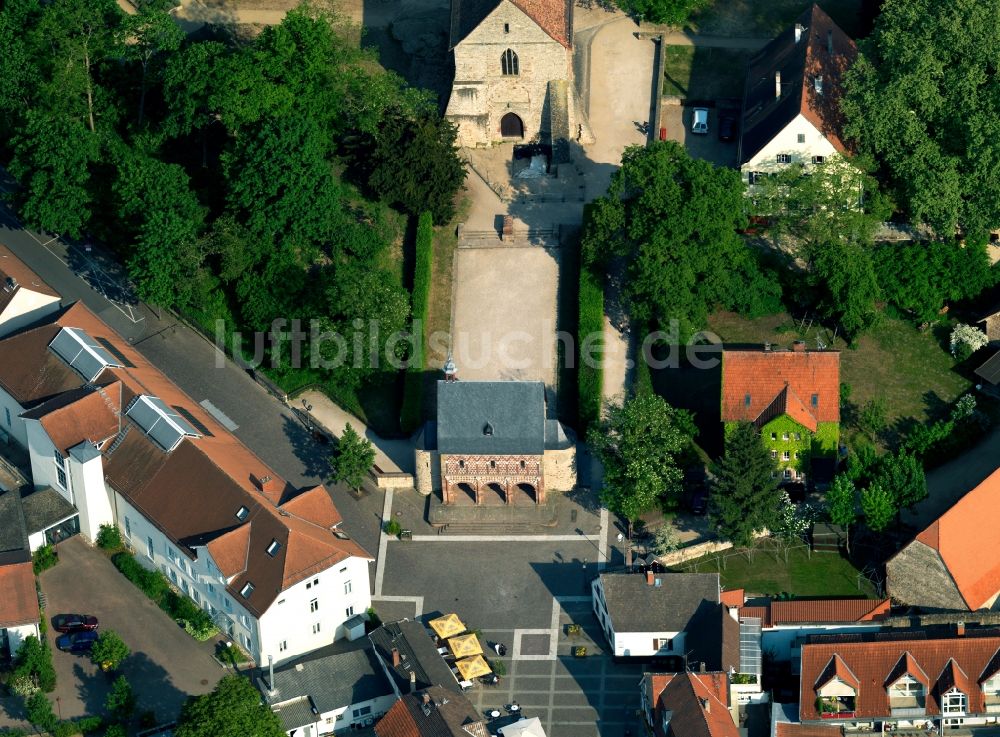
(19,612)
(791,101)
(121,444)
(24,297)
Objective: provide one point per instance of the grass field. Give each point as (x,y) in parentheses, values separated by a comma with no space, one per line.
(704,72)
(764,18)
(805,573)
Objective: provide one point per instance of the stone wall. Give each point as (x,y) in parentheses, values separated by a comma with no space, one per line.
(481,94)
(917,576)
(560,469)
(426,464)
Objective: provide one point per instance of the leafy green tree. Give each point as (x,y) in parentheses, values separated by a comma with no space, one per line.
(639,444)
(415,165)
(148,36)
(902,474)
(878,506)
(744,494)
(842,501)
(52,158)
(872,417)
(352,458)
(116,730)
(109,651)
(38,709)
(675,219)
(922,98)
(19,74)
(674,12)
(233,709)
(34,662)
(843,278)
(120,701)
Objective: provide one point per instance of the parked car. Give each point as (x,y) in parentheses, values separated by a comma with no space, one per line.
(727,127)
(700,123)
(74,622)
(77,642)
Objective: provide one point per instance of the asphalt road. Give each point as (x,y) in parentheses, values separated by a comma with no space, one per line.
(265,425)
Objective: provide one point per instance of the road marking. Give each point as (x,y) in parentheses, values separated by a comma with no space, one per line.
(383,542)
(503,538)
(219,415)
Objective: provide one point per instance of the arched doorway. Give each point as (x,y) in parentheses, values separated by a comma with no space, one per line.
(466,494)
(524,493)
(494,493)
(511,126)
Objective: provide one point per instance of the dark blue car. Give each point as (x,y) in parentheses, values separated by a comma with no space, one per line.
(76,642)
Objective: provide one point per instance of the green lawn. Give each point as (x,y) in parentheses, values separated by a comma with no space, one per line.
(703,72)
(805,573)
(764,18)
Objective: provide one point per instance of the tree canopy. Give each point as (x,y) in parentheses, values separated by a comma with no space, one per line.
(673,12)
(233,709)
(744,495)
(923,98)
(675,218)
(352,458)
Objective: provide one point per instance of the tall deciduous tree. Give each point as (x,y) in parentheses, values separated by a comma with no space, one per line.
(842,501)
(675,218)
(120,701)
(924,99)
(233,709)
(843,277)
(744,493)
(147,37)
(902,475)
(109,650)
(674,12)
(639,443)
(878,506)
(352,459)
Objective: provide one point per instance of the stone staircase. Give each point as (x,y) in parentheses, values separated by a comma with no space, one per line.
(491,528)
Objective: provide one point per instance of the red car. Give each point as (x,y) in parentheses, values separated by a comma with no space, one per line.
(74,623)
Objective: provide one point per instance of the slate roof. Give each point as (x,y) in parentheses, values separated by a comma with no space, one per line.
(555,17)
(767,375)
(967,537)
(698,702)
(13,529)
(327,680)
(878,662)
(44,508)
(713,638)
(990,370)
(432,712)
(636,606)
(417,652)
(491,417)
(764,115)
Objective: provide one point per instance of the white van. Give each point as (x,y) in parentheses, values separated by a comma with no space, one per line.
(700,124)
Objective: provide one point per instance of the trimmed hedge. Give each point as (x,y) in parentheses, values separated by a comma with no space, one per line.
(410,414)
(590,334)
(44,558)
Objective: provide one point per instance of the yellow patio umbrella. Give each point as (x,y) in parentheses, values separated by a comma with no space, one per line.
(447,626)
(465,645)
(473,667)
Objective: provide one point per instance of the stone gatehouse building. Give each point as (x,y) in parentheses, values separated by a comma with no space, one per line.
(492,444)
(513,71)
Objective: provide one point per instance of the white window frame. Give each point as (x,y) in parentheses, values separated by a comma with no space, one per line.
(314,605)
(150,549)
(60,464)
(784,158)
(350,610)
(347,587)
(128,528)
(786,455)
(955,702)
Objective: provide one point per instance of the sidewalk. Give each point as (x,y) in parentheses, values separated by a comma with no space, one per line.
(392,456)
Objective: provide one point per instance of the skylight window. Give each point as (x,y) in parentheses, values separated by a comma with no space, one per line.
(246,590)
(82,353)
(242,513)
(161,423)
(273,548)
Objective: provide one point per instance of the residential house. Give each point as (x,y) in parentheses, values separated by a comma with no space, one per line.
(916,680)
(791,99)
(19,613)
(953,563)
(513,71)
(409,655)
(785,625)
(493,443)
(24,297)
(328,692)
(989,372)
(792,397)
(123,445)
(432,712)
(689,704)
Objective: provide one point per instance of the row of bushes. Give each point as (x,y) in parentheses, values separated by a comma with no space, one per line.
(410,414)
(33,669)
(155,585)
(44,558)
(590,343)
(67,728)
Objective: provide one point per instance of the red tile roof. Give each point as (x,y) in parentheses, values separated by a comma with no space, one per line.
(836,668)
(19,603)
(822,109)
(732,598)
(828,610)
(699,703)
(11,267)
(552,16)
(878,663)
(765,376)
(967,537)
(94,416)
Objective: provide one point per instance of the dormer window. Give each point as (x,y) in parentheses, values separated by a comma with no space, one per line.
(954,702)
(746,400)
(242,513)
(488,430)
(246,590)
(273,548)
(815,400)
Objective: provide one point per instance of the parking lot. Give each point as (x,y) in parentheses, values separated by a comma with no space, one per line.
(677,120)
(166,666)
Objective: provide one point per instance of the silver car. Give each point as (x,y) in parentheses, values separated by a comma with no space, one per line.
(700,123)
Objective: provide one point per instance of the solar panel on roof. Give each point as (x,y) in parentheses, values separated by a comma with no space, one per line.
(160,422)
(116,352)
(82,353)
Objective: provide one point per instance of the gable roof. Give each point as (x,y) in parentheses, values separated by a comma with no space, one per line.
(800,63)
(19,603)
(555,17)
(967,537)
(698,702)
(765,376)
(636,606)
(417,654)
(88,413)
(877,662)
(16,276)
(432,712)
(713,639)
(836,668)
(818,611)
(491,417)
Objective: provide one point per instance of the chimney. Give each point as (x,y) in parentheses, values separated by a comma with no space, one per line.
(649,578)
(395,657)
(450,373)
(829,42)
(270,675)
(264,484)
(960,629)
(799,28)
(777,85)
(701,666)
(767,346)
(799,346)
(427,698)
(706,705)
(413,681)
